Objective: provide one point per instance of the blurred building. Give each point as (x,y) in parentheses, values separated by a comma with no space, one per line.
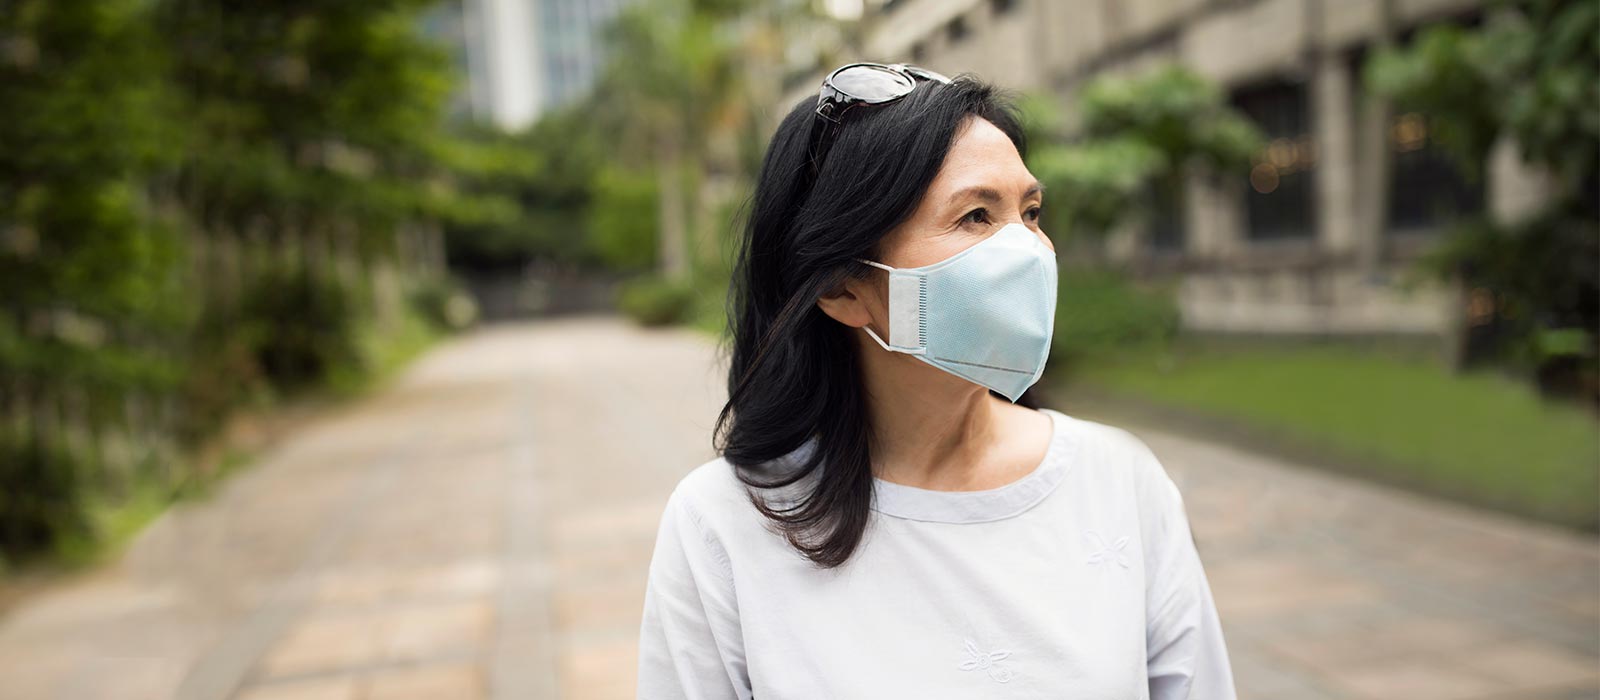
(1348,192)
(573,45)
(519,58)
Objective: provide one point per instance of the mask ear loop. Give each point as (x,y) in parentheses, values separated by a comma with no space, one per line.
(868,329)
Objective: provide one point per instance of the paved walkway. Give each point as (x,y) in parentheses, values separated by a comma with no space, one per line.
(481,529)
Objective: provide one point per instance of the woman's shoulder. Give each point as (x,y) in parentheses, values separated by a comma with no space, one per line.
(720,503)
(709,486)
(1107,445)
(1115,453)
(713,495)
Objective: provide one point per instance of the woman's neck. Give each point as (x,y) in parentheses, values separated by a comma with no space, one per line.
(930,429)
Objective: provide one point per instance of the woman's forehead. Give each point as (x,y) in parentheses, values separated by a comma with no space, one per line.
(982,156)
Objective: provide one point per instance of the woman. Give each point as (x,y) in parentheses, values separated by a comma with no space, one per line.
(891,518)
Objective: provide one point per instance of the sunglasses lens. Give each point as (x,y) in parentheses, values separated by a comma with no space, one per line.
(871,83)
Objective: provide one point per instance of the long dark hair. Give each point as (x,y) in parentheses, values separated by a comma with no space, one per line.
(793,376)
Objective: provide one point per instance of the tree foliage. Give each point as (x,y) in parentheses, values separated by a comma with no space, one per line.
(526,196)
(193,197)
(1131,135)
(1530,73)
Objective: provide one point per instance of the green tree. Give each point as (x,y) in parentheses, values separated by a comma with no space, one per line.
(672,80)
(90,277)
(1132,137)
(1531,73)
(622,222)
(199,199)
(526,196)
(312,157)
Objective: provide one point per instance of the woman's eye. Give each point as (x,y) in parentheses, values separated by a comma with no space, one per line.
(1033,214)
(976,216)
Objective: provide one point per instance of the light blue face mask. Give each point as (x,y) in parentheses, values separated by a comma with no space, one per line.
(985,314)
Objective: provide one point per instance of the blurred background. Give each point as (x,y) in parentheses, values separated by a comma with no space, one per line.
(350,348)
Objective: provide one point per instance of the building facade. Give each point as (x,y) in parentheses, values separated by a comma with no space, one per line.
(521,58)
(1317,237)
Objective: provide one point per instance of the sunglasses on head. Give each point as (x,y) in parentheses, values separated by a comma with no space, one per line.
(862,84)
(868,83)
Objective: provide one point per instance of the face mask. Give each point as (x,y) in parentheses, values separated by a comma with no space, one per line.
(984,314)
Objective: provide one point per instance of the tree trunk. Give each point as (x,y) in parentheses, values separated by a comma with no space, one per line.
(673,225)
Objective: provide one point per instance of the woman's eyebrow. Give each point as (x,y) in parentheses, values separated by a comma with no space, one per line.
(990,194)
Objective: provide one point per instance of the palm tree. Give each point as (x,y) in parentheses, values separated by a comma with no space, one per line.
(671,81)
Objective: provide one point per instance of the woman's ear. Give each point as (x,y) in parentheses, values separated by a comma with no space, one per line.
(847,303)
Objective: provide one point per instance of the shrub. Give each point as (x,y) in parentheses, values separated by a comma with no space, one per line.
(622,219)
(443,303)
(1101,311)
(302,326)
(656,301)
(44,499)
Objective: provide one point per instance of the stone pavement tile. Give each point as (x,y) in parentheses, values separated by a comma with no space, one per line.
(1407,636)
(342,688)
(1269,571)
(1333,619)
(1583,603)
(425,542)
(323,643)
(1528,664)
(352,587)
(1258,675)
(1458,565)
(598,523)
(602,604)
(622,558)
(600,668)
(1265,588)
(465,578)
(1415,680)
(1583,691)
(421,632)
(1214,526)
(143,675)
(436,682)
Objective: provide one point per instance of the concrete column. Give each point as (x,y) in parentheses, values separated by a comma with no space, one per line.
(1515,189)
(1334,135)
(1372,160)
(1212,222)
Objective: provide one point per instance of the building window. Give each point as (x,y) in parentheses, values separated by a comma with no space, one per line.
(1278,199)
(1427,188)
(956,30)
(1001,7)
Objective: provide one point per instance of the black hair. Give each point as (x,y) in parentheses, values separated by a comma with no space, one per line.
(793,376)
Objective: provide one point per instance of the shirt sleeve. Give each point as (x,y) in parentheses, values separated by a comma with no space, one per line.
(690,644)
(1187,658)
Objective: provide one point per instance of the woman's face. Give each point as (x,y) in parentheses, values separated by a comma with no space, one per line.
(982,186)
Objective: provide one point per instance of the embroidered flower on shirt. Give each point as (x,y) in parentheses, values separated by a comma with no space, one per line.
(1107,552)
(986,661)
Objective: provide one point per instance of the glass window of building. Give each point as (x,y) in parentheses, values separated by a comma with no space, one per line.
(1279,202)
(1427,187)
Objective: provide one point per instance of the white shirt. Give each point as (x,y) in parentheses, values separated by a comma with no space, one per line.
(1080,580)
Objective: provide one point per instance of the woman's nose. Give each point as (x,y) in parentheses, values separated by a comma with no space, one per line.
(1046,239)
